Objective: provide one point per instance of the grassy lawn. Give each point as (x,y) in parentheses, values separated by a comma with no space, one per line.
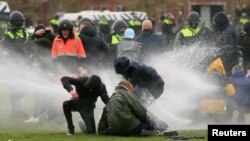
(46,130)
(61,136)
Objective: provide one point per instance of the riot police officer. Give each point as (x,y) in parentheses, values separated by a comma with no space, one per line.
(188,35)
(114,38)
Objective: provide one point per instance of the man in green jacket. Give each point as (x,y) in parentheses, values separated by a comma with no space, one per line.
(123,114)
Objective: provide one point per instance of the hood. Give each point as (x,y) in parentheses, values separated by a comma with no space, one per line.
(220,20)
(126,85)
(122,65)
(93,82)
(89,31)
(217,66)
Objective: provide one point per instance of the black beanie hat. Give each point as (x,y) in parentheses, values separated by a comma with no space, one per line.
(122,65)
(93,82)
(40,26)
(220,20)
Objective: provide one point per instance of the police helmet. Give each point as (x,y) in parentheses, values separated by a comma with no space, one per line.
(65,24)
(120,26)
(193,19)
(86,21)
(16,19)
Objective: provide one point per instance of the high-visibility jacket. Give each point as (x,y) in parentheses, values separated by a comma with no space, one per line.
(18,34)
(15,40)
(72,47)
(188,36)
(189,32)
(103,22)
(115,39)
(134,22)
(54,22)
(244,20)
(168,21)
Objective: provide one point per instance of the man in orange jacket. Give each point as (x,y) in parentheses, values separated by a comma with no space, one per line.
(67,49)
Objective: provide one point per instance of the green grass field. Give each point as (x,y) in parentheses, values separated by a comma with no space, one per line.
(16,130)
(61,136)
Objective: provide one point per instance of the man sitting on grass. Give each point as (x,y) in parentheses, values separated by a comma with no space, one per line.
(124,115)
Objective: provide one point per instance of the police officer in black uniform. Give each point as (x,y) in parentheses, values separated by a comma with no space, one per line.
(14,44)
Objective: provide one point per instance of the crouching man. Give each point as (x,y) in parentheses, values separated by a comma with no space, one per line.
(124,115)
(84,96)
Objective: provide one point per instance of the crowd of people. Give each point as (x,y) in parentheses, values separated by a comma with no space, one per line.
(126,48)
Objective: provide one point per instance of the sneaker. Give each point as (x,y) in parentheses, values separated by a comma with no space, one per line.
(170,133)
(32,120)
(145,132)
(71,131)
(68,134)
(83,126)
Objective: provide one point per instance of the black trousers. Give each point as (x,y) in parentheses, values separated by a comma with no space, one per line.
(86,112)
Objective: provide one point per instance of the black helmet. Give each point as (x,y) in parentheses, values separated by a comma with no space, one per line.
(118,25)
(68,25)
(193,19)
(86,20)
(65,24)
(16,19)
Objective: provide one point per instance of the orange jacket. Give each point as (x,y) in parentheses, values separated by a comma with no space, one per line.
(72,47)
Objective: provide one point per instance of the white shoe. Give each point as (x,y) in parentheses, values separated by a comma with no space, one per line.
(32,120)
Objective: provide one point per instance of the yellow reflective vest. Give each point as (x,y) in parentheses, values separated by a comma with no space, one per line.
(134,22)
(189,32)
(115,39)
(19,34)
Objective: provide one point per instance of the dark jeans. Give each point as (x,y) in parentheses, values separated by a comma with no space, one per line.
(86,112)
(137,130)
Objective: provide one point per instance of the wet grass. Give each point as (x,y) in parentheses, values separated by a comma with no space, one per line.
(61,136)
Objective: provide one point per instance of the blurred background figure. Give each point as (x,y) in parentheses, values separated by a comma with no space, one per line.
(135,23)
(168,24)
(54,22)
(128,47)
(151,43)
(97,50)
(115,37)
(104,27)
(14,43)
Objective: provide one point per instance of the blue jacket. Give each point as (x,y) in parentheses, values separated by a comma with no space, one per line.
(242,85)
(151,43)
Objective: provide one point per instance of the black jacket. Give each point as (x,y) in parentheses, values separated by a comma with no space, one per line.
(96,48)
(227,34)
(140,75)
(85,95)
(41,46)
(226,41)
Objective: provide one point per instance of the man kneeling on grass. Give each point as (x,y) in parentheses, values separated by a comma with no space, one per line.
(124,115)
(84,96)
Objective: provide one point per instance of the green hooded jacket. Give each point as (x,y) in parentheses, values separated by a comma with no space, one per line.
(124,112)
